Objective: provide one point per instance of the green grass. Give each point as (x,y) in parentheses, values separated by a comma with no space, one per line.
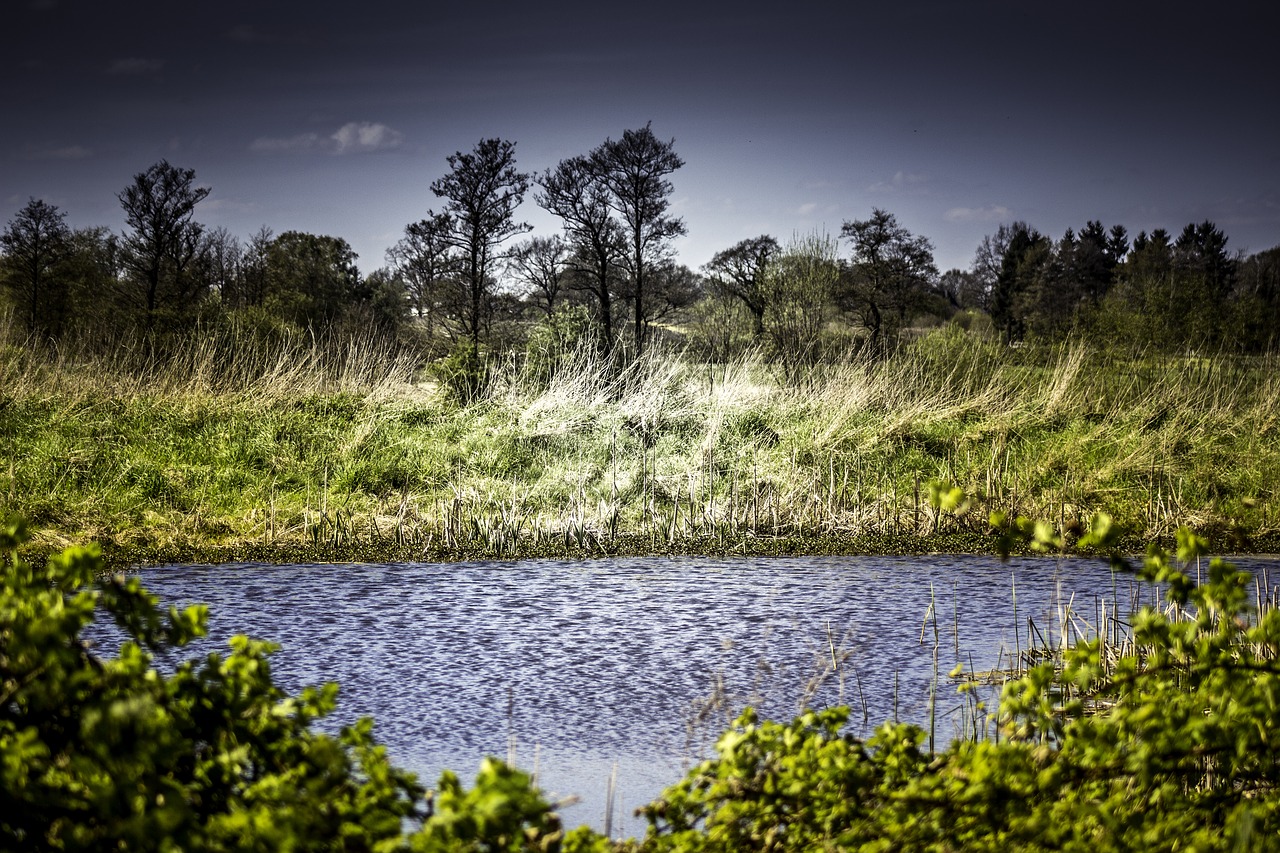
(229,449)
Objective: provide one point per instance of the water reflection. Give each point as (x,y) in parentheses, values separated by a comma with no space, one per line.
(577,666)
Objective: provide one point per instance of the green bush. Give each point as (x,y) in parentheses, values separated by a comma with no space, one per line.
(464,372)
(104,752)
(1171,744)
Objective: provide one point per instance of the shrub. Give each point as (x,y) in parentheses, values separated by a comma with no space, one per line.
(1166,741)
(108,753)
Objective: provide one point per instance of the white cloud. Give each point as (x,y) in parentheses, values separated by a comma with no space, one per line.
(989,213)
(352,138)
(807,208)
(366,136)
(900,181)
(301,142)
(135,65)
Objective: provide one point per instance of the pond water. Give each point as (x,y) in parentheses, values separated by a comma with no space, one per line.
(631,667)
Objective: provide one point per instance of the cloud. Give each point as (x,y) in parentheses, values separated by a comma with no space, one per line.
(301,142)
(135,65)
(989,213)
(366,136)
(807,208)
(66,152)
(352,138)
(899,181)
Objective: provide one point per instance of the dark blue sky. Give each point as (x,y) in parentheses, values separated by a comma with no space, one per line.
(790,117)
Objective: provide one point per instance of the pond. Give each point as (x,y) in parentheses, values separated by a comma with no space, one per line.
(621,672)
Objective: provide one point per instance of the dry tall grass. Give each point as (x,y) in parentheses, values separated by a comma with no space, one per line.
(581,450)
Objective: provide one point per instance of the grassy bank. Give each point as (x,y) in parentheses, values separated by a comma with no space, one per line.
(301,450)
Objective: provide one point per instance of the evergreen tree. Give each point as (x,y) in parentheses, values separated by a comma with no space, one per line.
(36,241)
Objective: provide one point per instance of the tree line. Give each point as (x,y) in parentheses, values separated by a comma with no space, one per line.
(459,280)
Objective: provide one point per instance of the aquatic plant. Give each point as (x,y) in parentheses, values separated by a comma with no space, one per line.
(1160,741)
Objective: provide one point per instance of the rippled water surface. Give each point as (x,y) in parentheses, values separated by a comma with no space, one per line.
(581,666)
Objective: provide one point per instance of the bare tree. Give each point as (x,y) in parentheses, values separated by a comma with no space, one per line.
(575,192)
(222,257)
(483,190)
(426,259)
(540,262)
(254,283)
(634,170)
(159,206)
(989,258)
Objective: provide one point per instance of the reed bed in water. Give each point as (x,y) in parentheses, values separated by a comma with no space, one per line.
(1123,656)
(344,444)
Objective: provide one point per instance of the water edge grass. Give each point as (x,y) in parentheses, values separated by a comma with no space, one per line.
(347,450)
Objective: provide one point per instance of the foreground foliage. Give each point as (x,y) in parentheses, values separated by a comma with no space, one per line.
(106,752)
(1164,741)
(1172,747)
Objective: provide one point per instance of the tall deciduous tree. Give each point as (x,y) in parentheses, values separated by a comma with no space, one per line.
(575,192)
(159,207)
(962,289)
(482,191)
(539,263)
(987,260)
(634,170)
(800,286)
(35,242)
(93,272)
(891,270)
(740,271)
(427,261)
(672,289)
(253,282)
(382,305)
(222,257)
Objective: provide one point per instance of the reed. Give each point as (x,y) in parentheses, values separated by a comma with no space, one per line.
(304,443)
(1120,650)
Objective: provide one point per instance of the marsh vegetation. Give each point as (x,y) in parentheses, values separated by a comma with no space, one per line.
(346,447)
